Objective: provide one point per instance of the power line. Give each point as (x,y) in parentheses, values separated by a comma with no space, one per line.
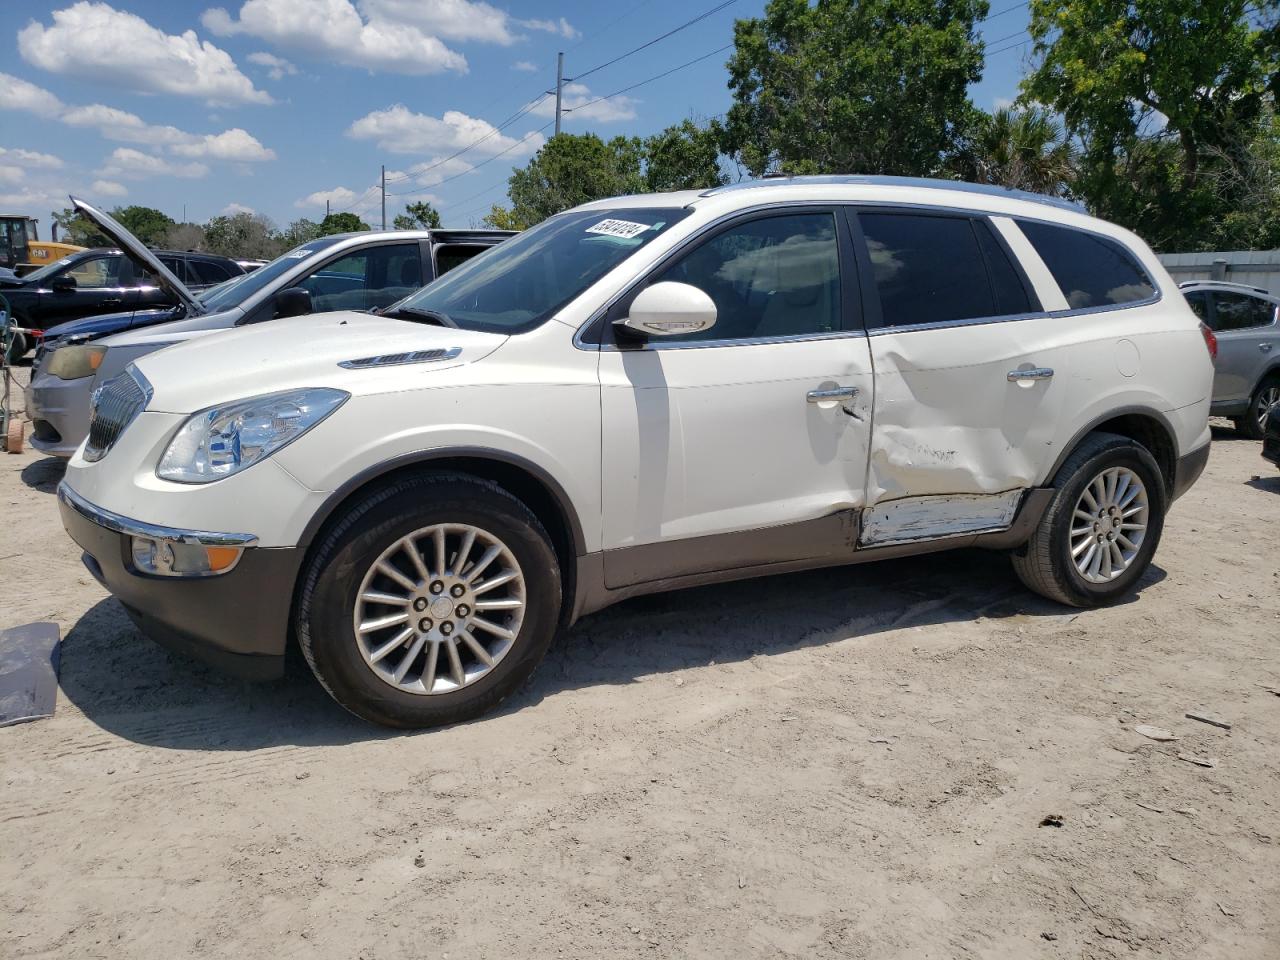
(665,73)
(644,46)
(485,162)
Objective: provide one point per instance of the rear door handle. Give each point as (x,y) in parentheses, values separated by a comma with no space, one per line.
(835,393)
(1264,347)
(1034,373)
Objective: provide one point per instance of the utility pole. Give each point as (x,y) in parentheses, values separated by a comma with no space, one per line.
(326,209)
(384,196)
(559,87)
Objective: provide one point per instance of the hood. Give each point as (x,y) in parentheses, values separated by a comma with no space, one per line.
(105,324)
(302,352)
(138,250)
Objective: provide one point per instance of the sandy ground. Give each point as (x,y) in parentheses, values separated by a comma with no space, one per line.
(851,763)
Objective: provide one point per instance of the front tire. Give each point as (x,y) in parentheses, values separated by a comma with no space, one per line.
(429,602)
(1102,526)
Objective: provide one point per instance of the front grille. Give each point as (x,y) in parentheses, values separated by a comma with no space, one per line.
(114,406)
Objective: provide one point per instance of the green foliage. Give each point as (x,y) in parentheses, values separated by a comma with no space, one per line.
(300,231)
(1023,149)
(243,235)
(571,169)
(684,156)
(418,216)
(185,236)
(502,218)
(340,223)
(149,225)
(853,86)
(73,228)
(1161,94)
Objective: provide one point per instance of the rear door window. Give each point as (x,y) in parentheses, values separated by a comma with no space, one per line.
(1091,270)
(1239,311)
(932,269)
(452,255)
(207,272)
(372,277)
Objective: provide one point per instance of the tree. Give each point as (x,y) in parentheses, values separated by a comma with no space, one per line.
(501,218)
(243,235)
(149,225)
(853,86)
(340,223)
(76,229)
(185,236)
(300,231)
(418,216)
(1157,91)
(1024,149)
(684,156)
(570,169)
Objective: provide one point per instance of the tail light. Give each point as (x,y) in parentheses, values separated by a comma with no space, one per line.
(1210,341)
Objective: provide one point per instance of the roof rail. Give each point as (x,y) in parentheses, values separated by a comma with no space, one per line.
(1224,283)
(930,183)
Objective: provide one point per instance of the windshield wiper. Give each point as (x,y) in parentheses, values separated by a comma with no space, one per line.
(434,316)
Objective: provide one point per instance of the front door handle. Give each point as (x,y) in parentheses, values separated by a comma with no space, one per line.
(835,393)
(1264,347)
(1034,373)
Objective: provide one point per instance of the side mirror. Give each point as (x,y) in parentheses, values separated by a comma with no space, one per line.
(293,302)
(63,284)
(668,310)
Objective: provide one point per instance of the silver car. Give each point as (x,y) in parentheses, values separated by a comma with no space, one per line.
(352,271)
(1246,321)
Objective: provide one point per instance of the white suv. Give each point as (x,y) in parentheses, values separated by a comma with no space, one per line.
(641,394)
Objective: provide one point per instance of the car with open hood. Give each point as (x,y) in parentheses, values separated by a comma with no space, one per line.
(641,394)
(355,271)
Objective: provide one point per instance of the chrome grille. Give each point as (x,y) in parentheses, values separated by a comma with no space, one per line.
(114,406)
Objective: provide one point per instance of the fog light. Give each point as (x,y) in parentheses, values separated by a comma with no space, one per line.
(173,558)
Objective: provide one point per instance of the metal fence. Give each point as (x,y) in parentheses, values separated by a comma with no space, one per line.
(1257,268)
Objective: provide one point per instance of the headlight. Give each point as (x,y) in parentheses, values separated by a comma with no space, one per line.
(220,441)
(75,361)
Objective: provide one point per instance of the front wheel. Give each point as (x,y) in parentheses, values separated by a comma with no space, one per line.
(1101,529)
(429,602)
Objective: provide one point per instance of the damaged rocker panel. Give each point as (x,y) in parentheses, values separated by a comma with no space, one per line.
(910,519)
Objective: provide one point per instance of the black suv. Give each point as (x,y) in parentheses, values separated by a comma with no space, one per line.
(103,280)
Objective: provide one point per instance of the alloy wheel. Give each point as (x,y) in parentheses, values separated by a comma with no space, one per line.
(439,608)
(1109,524)
(1267,397)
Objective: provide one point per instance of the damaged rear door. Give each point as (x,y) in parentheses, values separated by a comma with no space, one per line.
(966,404)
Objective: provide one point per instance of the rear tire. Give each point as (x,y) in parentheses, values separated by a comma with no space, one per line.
(1251,423)
(429,666)
(1090,516)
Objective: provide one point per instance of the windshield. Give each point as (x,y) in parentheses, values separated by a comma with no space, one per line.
(233,292)
(44,273)
(521,282)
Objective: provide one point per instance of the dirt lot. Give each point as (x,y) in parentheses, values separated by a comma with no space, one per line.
(851,763)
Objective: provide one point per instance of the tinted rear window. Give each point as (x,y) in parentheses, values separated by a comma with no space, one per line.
(938,269)
(1091,270)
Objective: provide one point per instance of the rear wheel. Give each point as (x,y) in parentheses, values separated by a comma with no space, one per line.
(1103,524)
(1253,423)
(429,602)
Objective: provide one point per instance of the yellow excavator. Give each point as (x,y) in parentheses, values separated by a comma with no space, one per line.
(22,250)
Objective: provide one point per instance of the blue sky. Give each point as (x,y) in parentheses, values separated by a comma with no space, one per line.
(276,105)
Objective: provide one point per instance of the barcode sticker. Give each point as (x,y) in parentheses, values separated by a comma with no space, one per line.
(624,229)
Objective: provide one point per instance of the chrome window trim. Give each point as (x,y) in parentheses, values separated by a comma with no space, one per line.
(856,205)
(138,528)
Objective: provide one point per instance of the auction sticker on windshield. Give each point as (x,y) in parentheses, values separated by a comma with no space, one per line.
(623,229)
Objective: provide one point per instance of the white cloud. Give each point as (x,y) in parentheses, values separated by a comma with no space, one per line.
(130,164)
(235,144)
(338,196)
(31,158)
(431,172)
(455,19)
(231,209)
(575,100)
(109,188)
(524,66)
(10,174)
(334,30)
(108,46)
(18,94)
(561,27)
(277,66)
(399,130)
(121,125)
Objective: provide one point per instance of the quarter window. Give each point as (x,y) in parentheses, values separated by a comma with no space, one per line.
(772,277)
(939,269)
(1091,270)
(1239,311)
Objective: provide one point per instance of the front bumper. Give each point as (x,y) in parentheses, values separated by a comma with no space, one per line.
(59,411)
(237,621)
